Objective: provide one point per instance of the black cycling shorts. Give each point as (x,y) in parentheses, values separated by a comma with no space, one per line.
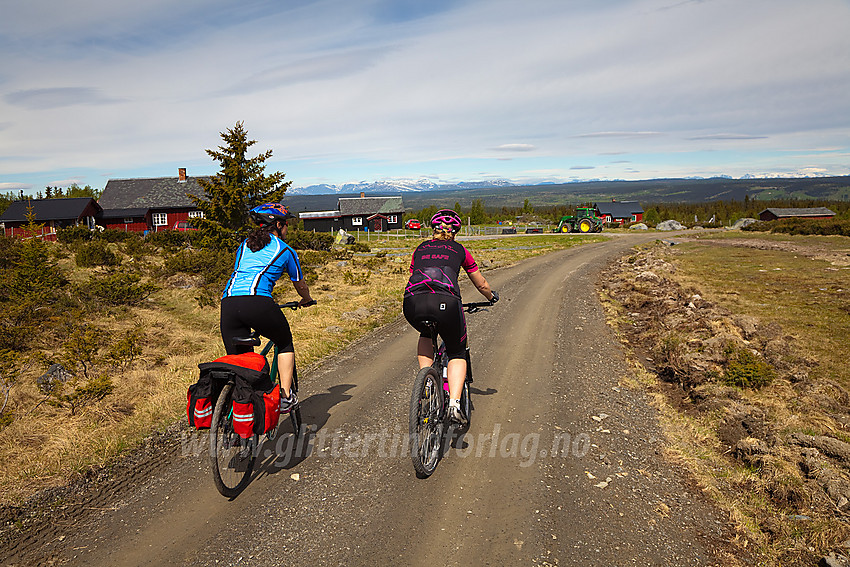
(242,313)
(446,311)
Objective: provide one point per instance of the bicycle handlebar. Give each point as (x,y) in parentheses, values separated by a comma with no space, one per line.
(295,305)
(473,307)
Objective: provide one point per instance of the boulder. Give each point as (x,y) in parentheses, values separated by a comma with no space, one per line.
(669,225)
(741,223)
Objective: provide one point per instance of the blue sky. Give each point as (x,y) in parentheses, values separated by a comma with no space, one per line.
(447,90)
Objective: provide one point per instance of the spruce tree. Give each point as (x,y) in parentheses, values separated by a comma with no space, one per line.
(240,186)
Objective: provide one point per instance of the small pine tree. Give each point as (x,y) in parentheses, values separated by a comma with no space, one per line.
(236,189)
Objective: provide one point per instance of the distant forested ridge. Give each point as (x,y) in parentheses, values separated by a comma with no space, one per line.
(647,192)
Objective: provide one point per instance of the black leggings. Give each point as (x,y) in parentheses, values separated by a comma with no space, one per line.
(446,311)
(242,313)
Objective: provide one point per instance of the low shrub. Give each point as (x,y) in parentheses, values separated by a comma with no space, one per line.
(803,226)
(308,240)
(314,258)
(117,288)
(168,238)
(214,265)
(92,390)
(353,278)
(73,234)
(96,253)
(758,226)
(746,369)
(123,352)
(113,235)
(137,248)
(812,226)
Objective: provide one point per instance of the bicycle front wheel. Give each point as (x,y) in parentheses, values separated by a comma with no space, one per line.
(425,422)
(231,456)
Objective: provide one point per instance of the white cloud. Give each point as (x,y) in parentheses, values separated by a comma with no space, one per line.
(43,99)
(515,148)
(11,186)
(346,89)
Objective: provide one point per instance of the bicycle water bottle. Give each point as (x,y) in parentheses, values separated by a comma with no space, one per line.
(446,379)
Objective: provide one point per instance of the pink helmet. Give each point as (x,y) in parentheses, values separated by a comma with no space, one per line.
(447,217)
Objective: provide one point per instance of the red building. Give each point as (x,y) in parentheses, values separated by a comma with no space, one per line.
(51,214)
(620,212)
(137,205)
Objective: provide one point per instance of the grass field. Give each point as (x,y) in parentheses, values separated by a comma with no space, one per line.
(765,453)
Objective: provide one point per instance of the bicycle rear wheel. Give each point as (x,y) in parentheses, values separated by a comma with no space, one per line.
(295,413)
(466,404)
(231,456)
(426,422)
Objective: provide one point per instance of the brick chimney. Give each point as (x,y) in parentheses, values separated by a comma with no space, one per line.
(181,175)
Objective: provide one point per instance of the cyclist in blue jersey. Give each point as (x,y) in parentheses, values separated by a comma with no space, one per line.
(247,300)
(433,294)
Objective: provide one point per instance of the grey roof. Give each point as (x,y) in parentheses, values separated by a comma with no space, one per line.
(807,212)
(50,209)
(156,193)
(370,205)
(319,215)
(619,209)
(123,213)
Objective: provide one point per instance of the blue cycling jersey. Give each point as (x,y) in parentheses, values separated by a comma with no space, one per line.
(255,273)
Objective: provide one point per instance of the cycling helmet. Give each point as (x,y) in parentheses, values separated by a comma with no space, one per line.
(447,217)
(269,213)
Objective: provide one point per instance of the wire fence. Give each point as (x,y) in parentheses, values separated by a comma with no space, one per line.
(369,235)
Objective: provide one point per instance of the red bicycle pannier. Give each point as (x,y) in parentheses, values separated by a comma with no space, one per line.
(255,399)
(254,411)
(200,403)
(269,403)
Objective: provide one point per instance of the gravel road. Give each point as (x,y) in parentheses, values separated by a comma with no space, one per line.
(562,464)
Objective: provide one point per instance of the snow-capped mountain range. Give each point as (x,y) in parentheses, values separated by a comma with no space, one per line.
(395,186)
(422,185)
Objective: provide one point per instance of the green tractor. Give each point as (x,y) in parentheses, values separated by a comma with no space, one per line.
(585,220)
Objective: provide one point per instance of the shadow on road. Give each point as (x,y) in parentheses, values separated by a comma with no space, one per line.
(284,450)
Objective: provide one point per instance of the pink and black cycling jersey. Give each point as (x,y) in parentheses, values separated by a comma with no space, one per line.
(435,267)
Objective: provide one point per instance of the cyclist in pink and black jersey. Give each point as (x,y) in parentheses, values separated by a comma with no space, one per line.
(433,294)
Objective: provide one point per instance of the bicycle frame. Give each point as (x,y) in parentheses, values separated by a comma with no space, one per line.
(254,340)
(440,352)
(429,403)
(440,363)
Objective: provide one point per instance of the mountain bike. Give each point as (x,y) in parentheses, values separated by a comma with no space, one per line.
(430,400)
(231,456)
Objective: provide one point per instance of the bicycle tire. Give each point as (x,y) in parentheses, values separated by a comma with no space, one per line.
(466,404)
(426,422)
(295,413)
(231,456)
(295,420)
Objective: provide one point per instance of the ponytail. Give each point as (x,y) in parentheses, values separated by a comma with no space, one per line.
(260,237)
(443,234)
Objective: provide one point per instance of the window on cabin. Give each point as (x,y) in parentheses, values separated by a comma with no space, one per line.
(357,221)
(160,219)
